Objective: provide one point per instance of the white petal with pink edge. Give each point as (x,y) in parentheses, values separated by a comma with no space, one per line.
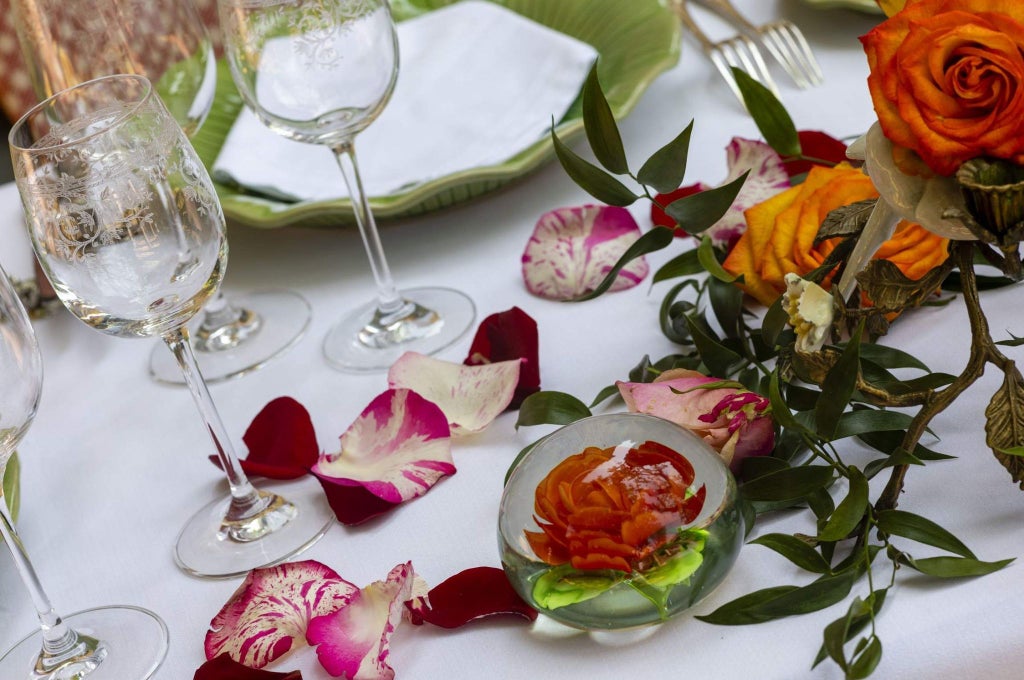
(573,249)
(397,448)
(767,177)
(470,396)
(354,642)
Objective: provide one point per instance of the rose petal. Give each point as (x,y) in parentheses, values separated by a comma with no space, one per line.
(397,448)
(818,146)
(281,440)
(511,334)
(470,396)
(353,641)
(271,609)
(767,177)
(573,249)
(223,667)
(469,595)
(660,218)
(354,505)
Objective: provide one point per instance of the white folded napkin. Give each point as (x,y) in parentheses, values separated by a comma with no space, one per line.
(477,84)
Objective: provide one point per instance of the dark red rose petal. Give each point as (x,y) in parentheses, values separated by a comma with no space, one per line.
(224,668)
(508,335)
(281,441)
(354,504)
(819,146)
(660,217)
(471,594)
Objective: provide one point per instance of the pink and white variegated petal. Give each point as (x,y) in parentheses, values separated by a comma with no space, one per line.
(573,249)
(271,609)
(767,177)
(397,448)
(470,396)
(353,642)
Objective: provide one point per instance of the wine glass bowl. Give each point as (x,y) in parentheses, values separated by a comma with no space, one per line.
(67,43)
(320,72)
(126,224)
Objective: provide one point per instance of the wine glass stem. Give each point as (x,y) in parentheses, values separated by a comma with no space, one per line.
(245,499)
(388,299)
(58,638)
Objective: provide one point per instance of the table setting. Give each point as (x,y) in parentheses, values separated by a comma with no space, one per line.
(408,508)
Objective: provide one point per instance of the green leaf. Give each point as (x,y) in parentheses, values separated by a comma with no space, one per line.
(561,586)
(796,551)
(780,411)
(774,322)
(718,358)
(744,610)
(954,567)
(850,510)
(602,131)
(708,260)
(551,408)
(843,629)
(888,442)
(687,264)
(838,388)
(665,169)
(654,240)
(920,529)
(773,603)
(606,393)
(591,178)
(866,660)
(769,115)
(890,357)
(863,421)
(789,484)
(697,212)
(519,458)
(1013,451)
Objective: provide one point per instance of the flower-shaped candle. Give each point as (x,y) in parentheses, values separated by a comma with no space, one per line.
(618,521)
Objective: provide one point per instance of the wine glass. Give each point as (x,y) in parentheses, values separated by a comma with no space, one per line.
(66,43)
(320,71)
(105,643)
(126,225)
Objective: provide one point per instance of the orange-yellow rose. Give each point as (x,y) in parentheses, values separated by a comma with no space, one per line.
(780,234)
(947,79)
(612,508)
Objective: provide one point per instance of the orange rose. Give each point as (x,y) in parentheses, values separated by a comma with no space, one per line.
(613,508)
(947,79)
(780,234)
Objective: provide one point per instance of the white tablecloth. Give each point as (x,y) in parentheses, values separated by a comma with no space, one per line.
(115,463)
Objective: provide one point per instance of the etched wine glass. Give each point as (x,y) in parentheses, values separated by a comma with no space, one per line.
(66,43)
(126,225)
(320,71)
(106,643)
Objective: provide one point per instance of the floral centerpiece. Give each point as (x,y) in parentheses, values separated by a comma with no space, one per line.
(783,299)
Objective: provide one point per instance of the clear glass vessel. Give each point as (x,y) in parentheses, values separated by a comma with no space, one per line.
(618,521)
(126,224)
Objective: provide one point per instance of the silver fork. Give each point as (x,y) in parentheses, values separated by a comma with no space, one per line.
(782,38)
(738,51)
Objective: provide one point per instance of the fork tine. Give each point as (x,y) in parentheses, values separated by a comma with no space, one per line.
(738,52)
(784,41)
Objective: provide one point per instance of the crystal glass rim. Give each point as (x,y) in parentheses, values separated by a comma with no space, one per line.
(143,99)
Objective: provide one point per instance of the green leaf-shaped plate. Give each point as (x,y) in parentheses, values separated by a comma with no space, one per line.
(636,40)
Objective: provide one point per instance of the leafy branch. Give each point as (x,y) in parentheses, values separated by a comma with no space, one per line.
(818,399)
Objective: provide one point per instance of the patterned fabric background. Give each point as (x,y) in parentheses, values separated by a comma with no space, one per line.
(16,93)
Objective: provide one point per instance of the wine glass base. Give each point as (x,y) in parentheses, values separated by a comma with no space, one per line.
(134,644)
(345,350)
(205,551)
(283,317)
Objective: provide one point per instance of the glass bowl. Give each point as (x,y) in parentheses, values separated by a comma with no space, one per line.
(618,521)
